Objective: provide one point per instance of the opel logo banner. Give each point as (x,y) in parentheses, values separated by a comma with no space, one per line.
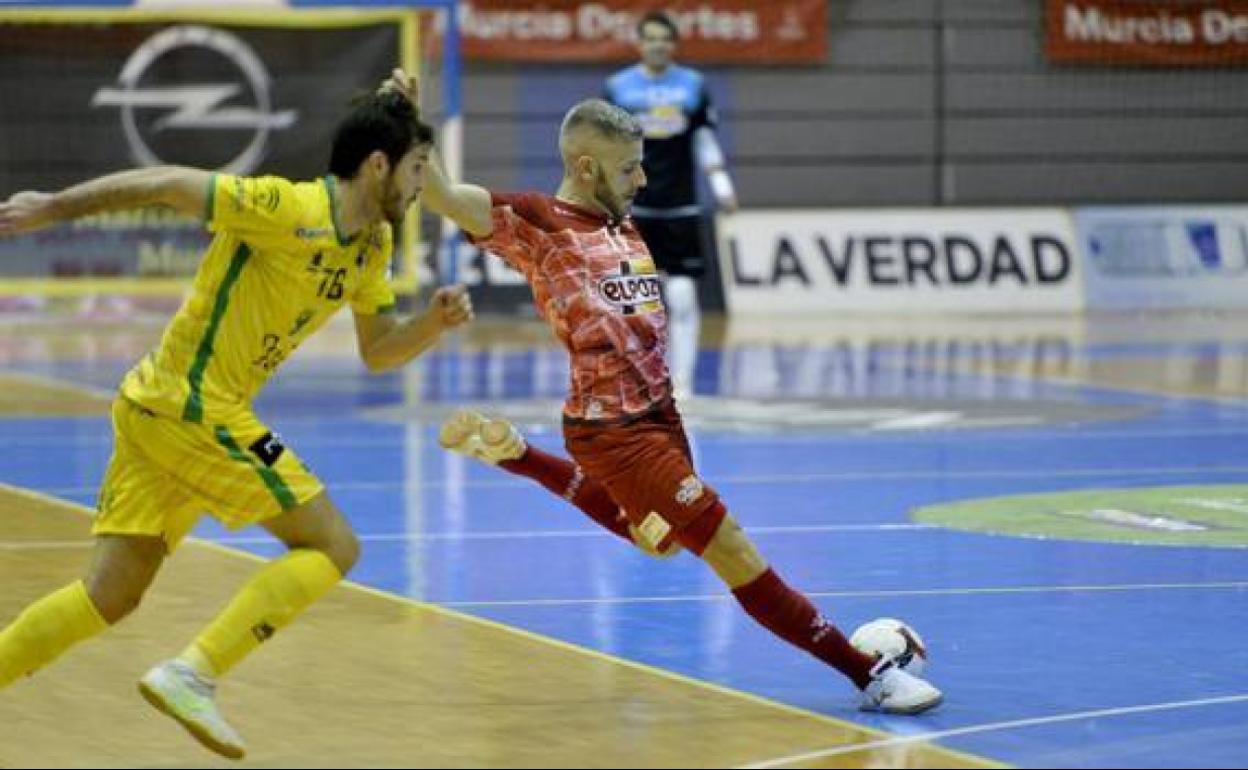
(242,105)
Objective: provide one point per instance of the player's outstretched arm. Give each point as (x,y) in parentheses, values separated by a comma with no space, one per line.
(468,205)
(386,343)
(184,189)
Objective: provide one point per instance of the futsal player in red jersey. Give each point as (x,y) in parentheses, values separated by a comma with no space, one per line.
(596,285)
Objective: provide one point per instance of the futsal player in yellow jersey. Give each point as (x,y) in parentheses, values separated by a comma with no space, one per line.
(285,257)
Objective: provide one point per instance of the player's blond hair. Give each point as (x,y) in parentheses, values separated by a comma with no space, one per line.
(602,118)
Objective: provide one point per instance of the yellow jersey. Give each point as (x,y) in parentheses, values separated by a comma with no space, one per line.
(279,266)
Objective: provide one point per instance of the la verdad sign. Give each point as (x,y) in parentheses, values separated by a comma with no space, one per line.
(900,261)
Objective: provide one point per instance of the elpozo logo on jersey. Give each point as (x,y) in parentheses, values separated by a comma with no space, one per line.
(635,289)
(242,132)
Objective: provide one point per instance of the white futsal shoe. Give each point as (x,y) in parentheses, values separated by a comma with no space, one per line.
(177,691)
(490,440)
(894,691)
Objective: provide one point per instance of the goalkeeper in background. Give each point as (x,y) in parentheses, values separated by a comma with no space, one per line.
(674,109)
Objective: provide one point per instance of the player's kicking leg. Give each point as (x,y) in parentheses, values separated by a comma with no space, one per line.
(788,614)
(497,442)
(724,546)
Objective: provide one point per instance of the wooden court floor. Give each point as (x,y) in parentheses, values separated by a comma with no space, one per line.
(365,678)
(369,679)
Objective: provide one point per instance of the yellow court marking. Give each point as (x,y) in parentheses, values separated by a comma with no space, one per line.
(32,395)
(377,678)
(80,287)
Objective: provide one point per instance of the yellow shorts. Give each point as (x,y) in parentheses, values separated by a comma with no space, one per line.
(165,473)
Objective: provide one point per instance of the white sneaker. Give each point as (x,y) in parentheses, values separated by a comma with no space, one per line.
(177,691)
(894,691)
(489,440)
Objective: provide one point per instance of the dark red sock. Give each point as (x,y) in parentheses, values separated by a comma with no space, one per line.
(565,478)
(790,615)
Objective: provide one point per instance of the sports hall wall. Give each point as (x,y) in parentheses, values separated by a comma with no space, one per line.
(942,104)
(930,105)
(921,102)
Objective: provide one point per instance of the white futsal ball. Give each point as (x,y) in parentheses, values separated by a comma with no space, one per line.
(889,637)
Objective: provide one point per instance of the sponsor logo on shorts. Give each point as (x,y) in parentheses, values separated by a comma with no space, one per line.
(819,627)
(654,528)
(268,448)
(690,490)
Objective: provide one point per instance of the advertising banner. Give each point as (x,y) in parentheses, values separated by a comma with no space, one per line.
(87,96)
(900,261)
(1211,33)
(1165,257)
(780,32)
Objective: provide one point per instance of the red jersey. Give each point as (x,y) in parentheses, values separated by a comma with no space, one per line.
(594,282)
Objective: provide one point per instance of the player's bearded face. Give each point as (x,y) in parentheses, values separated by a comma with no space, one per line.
(608,196)
(393,204)
(402,185)
(618,178)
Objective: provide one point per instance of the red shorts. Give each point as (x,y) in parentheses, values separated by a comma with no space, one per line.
(646,467)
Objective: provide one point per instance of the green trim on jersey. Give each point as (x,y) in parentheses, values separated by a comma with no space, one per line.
(193,411)
(270,477)
(211,198)
(335,210)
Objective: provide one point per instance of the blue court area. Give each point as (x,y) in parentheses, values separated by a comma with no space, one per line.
(1051,652)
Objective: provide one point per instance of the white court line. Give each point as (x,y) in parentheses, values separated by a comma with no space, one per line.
(40,379)
(538,534)
(903,740)
(838,437)
(972,591)
(401,537)
(45,545)
(443,611)
(37,545)
(797,478)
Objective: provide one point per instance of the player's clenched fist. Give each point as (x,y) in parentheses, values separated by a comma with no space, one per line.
(453,305)
(403,83)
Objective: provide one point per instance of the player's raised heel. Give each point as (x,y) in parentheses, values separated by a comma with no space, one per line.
(177,691)
(894,691)
(474,435)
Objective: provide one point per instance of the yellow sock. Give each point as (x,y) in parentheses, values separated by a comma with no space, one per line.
(46,629)
(270,600)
